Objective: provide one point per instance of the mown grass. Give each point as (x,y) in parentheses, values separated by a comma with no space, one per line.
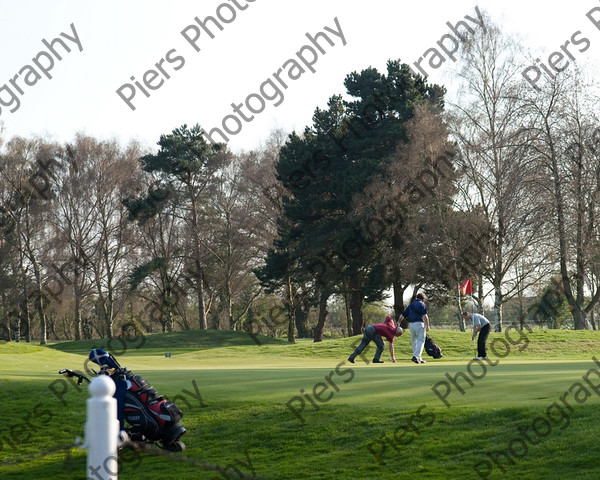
(538,344)
(241,413)
(174,342)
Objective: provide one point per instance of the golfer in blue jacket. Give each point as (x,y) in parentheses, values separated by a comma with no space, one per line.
(418,322)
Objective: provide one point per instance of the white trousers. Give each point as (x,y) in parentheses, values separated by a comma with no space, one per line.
(417,338)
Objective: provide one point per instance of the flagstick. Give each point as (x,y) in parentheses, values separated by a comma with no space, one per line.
(460,307)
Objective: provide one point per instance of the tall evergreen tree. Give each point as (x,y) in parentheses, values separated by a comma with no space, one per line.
(323,170)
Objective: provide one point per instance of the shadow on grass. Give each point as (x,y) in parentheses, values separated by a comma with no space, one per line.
(173,342)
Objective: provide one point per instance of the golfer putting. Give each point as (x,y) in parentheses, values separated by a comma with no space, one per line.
(481,325)
(374,333)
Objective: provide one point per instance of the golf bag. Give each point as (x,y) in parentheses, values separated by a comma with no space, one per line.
(432,348)
(151,417)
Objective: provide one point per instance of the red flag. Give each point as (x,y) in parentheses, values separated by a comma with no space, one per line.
(466,288)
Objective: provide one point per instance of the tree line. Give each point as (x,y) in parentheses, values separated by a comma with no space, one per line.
(391,188)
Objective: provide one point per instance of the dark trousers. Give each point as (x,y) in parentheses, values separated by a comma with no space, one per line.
(370,334)
(481,339)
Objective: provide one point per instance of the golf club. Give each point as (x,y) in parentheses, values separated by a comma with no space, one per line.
(471,348)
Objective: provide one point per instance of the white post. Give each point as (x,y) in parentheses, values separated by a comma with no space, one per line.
(102,430)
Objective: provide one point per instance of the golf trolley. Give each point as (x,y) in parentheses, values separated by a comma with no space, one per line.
(151,417)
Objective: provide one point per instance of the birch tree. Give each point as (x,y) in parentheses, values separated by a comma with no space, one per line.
(487,121)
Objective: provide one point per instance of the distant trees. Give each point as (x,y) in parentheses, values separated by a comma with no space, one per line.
(95,236)
(91,240)
(358,185)
(236,244)
(27,173)
(411,212)
(262,184)
(73,221)
(64,237)
(386,192)
(184,167)
(530,158)
(499,171)
(565,130)
(552,308)
(215,230)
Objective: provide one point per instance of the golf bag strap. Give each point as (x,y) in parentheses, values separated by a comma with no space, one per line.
(121,389)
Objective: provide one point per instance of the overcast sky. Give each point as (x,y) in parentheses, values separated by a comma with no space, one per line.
(119,40)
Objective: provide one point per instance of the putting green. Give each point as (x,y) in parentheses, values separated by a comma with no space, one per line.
(302,411)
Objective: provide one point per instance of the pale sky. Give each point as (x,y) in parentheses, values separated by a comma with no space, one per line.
(124,39)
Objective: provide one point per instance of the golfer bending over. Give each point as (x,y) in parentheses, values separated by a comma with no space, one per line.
(418,321)
(481,325)
(386,329)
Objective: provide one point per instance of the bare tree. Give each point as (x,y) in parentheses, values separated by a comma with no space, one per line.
(160,275)
(487,124)
(72,221)
(567,151)
(92,237)
(261,183)
(236,238)
(29,170)
(116,175)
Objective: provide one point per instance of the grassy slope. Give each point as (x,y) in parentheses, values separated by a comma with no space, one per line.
(245,388)
(539,344)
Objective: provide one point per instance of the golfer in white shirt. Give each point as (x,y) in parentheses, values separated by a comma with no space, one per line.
(481,325)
